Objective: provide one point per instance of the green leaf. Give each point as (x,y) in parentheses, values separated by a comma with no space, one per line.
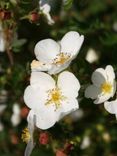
(17,44)
(68,4)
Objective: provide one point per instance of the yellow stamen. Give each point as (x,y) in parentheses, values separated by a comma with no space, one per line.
(55,97)
(61,58)
(106,87)
(25,135)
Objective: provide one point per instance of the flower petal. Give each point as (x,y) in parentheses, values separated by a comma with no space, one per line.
(69,84)
(99,77)
(39,66)
(92,92)
(67,107)
(45,118)
(71,43)
(34,98)
(110,73)
(58,68)
(111,106)
(46,50)
(102,98)
(42,80)
(31,125)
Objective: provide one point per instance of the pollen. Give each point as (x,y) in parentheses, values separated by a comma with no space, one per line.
(61,58)
(25,135)
(55,97)
(106,87)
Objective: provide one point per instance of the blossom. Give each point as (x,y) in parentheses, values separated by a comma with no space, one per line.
(86,142)
(55,57)
(92,56)
(111,107)
(45,8)
(103,87)
(51,100)
(16,118)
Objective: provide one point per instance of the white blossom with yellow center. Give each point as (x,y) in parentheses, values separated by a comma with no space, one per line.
(55,57)
(51,100)
(103,87)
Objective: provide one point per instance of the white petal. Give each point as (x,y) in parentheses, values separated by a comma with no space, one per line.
(31,118)
(69,84)
(29,148)
(110,73)
(92,92)
(39,66)
(92,56)
(111,106)
(68,106)
(71,43)
(46,50)
(58,68)
(15,119)
(42,80)
(16,109)
(34,98)
(46,118)
(31,126)
(102,98)
(99,77)
(114,88)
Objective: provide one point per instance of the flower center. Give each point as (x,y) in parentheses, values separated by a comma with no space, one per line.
(61,58)
(55,97)
(25,135)
(106,87)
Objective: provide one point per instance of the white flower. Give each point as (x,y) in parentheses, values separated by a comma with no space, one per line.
(2,40)
(86,142)
(92,56)
(103,87)
(55,57)
(51,100)
(16,118)
(111,107)
(46,8)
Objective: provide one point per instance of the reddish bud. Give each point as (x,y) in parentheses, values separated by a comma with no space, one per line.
(5,14)
(60,153)
(24,112)
(14,139)
(34,17)
(44,138)
(68,147)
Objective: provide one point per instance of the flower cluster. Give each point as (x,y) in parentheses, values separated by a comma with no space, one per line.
(103,88)
(51,97)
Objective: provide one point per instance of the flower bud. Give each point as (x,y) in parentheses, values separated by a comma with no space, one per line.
(34,16)
(44,138)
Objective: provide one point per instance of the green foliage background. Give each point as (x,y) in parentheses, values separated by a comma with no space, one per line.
(92,18)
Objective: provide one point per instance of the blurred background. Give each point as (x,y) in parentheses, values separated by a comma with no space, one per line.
(90,131)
